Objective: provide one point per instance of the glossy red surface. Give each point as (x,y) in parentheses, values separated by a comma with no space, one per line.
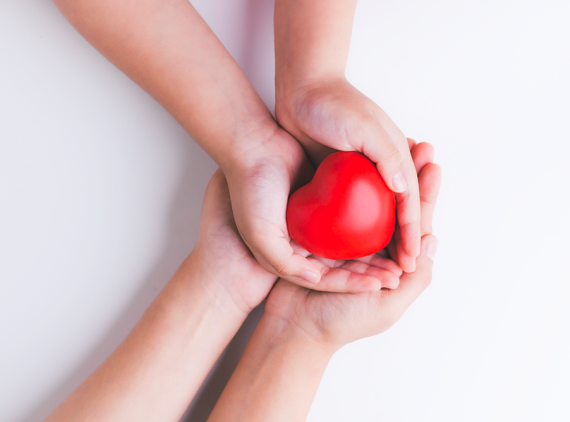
(345,212)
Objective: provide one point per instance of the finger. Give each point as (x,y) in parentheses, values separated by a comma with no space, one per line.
(408,210)
(341,280)
(336,279)
(422,154)
(395,302)
(384,144)
(299,249)
(217,206)
(397,253)
(405,260)
(280,259)
(387,278)
(430,182)
(391,284)
(379,261)
(379,147)
(411,143)
(333,263)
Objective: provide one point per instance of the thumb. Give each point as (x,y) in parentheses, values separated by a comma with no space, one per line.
(278,257)
(381,148)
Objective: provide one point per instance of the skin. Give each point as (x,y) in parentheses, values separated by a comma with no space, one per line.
(301,329)
(168,50)
(324,112)
(157,370)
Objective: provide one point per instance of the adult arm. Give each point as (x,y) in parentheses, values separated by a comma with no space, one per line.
(154,374)
(279,373)
(277,377)
(156,371)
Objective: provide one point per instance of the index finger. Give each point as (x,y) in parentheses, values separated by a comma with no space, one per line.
(429,184)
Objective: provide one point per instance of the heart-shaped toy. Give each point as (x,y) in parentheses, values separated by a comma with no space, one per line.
(345,212)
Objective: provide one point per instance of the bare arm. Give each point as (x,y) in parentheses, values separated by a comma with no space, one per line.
(323,111)
(168,50)
(166,47)
(312,40)
(300,329)
(277,377)
(156,371)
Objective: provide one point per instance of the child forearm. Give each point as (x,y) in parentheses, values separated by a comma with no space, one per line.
(156,371)
(277,377)
(168,49)
(317,105)
(312,39)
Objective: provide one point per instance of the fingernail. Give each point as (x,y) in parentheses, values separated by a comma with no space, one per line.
(310,277)
(431,249)
(399,182)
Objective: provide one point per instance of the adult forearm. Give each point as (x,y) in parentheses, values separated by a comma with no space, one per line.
(167,49)
(156,371)
(277,377)
(312,39)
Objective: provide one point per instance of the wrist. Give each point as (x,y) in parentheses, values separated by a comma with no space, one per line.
(270,147)
(279,367)
(291,92)
(279,333)
(311,49)
(195,287)
(291,81)
(249,143)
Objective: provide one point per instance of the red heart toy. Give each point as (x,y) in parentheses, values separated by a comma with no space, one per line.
(345,212)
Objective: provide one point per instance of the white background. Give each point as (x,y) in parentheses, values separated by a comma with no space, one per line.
(100,193)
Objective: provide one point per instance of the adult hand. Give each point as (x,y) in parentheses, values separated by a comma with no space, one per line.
(333,319)
(330,114)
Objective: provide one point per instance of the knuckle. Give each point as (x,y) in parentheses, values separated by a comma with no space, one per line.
(391,154)
(280,265)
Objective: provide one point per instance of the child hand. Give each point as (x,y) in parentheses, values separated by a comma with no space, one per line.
(233,274)
(333,319)
(331,115)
